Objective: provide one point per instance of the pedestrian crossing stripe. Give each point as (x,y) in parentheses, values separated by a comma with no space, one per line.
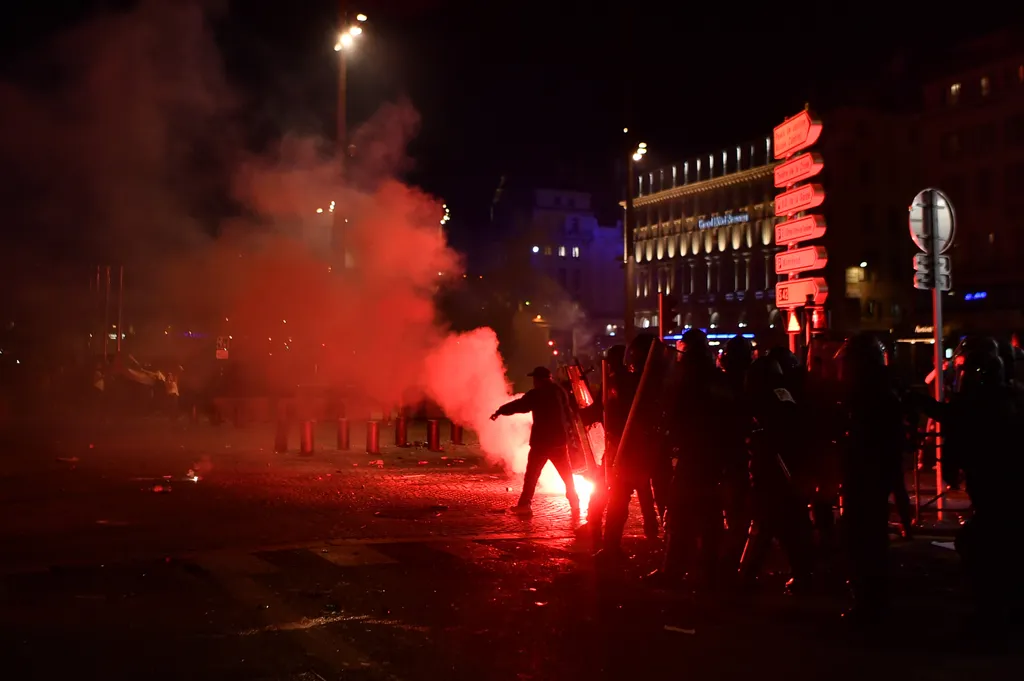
(352,555)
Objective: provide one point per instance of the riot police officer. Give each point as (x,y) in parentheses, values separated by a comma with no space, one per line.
(980,424)
(694,522)
(874,437)
(779,509)
(632,469)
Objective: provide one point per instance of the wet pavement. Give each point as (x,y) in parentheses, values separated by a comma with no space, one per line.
(280,567)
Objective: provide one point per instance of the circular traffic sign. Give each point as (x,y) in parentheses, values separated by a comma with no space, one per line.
(945,220)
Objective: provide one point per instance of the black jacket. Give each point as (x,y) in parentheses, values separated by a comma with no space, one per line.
(552,416)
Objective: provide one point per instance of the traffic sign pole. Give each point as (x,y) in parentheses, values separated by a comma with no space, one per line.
(931,216)
(791,137)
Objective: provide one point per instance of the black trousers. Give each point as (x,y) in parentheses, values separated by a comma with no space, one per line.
(695,528)
(535,462)
(778,513)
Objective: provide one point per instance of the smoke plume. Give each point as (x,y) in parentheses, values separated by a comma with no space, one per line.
(125,145)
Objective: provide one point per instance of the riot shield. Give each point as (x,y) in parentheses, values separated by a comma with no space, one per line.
(642,435)
(582,457)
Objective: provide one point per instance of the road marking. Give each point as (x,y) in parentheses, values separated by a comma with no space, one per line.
(235,563)
(313,622)
(352,555)
(274,614)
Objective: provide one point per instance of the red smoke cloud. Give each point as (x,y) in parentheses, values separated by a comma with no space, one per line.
(114,161)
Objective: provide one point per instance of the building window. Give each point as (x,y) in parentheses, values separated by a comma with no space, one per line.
(954,94)
(574,225)
(561,251)
(562,278)
(576,279)
(575,251)
(547,250)
(986,86)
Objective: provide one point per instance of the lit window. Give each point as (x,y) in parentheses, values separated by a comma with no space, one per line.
(575,251)
(561,251)
(985,86)
(954,93)
(547,250)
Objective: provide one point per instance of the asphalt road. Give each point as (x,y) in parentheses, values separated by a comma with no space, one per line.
(332,567)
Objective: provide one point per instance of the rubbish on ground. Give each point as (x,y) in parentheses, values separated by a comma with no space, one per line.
(161,489)
(945,545)
(680,630)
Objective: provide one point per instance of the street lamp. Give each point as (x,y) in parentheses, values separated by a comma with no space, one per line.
(628,256)
(346,41)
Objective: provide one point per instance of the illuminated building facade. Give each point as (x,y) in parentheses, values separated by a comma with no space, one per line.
(704,235)
(972,142)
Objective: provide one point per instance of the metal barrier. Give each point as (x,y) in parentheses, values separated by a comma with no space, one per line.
(401,432)
(306,441)
(373,437)
(344,442)
(433,435)
(456,434)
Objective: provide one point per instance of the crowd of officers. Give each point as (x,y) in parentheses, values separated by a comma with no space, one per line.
(732,454)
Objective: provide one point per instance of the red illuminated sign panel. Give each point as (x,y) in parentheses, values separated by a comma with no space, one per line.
(802,229)
(801,260)
(804,197)
(798,169)
(799,132)
(793,293)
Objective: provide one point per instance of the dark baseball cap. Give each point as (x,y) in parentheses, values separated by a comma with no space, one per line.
(540,372)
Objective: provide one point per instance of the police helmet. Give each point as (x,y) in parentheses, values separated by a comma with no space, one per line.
(764,374)
(787,360)
(980,369)
(738,355)
(616,355)
(861,356)
(695,342)
(636,353)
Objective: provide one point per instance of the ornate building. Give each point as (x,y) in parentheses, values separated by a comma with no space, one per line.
(704,236)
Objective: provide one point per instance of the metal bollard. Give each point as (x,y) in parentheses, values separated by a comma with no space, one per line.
(306,439)
(456,434)
(281,437)
(401,432)
(343,435)
(373,437)
(433,435)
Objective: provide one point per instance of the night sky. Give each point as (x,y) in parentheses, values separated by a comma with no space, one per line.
(541,91)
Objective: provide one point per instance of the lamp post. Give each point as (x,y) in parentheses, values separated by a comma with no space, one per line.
(628,230)
(346,41)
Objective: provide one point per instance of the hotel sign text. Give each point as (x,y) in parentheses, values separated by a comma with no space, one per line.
(722,220)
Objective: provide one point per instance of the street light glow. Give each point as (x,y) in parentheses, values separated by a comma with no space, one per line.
(345,41)
(355,30)
(360,17)
(637,157)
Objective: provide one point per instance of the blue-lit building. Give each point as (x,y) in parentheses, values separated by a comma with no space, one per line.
(568,266)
